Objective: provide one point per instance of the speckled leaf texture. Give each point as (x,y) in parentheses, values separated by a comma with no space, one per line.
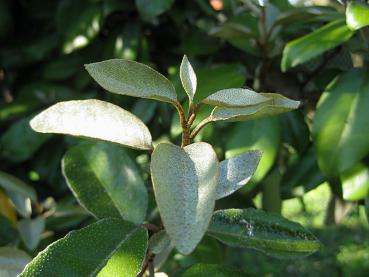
(188,78)
(235,97)
(94,119)
(266,232)
(235,172)
(109,247)
(132,78)
(106,181)
(277,104)
(185,182)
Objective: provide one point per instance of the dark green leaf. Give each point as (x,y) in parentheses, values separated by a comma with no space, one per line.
(340,122)
(312,45)
(30,231)
(269,233)
(109,247)
(357,15)
(149,9)
(295,130)
(106,181)
(214,270)
(8,234)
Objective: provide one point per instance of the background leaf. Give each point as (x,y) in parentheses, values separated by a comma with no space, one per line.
(30,231)
(95,119)
(355,183)
(216,270)
(12,261)
(357,15)
(149,9)
(106,181)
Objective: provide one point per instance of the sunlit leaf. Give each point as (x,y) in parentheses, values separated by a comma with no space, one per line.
(102,248)
(185,182)
(12,261)
(235,172)
(235,97)
(266,232)
(94,119)
(355,183)
(106,181)
(312,45)
(357,15)
(188,78)
(133,79)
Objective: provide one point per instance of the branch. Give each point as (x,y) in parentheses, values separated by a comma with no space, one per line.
(201,125)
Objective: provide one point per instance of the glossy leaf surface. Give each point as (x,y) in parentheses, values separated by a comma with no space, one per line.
(106,181)
(355,183)
(94,119)
(269,233)
(185,182)
(357,15)
(132,78)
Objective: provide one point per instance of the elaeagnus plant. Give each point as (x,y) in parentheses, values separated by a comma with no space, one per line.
(186,180)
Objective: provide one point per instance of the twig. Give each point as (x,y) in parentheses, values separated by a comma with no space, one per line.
(201,125)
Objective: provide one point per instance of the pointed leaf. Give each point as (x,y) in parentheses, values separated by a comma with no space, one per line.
(94,119)
(30,231)
(133,79)
(235,97)
(357,15)
(340,122)
(277,104)
(269,233)
(235,172)
(216,270)
(12,261)
(188,78)
(106,181)
(185,182)
(100,247)
(317,42)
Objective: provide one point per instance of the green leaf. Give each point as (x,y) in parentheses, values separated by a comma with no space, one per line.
(12,261)
(19,142)
(159,242)
(30,231)
(185,182)
(132,78)
(235,97)
(106,181)
(232,30)
(312,45)
(276,105)
(109,246)
(149,9)
(94,119)
(235,172)
(188,78)
(263,134)
(355,183)
(269,233)
(11,183)
(8,234)
(340,122)
(214,270)
(357,15)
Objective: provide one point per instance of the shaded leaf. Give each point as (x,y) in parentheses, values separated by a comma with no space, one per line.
(6,208)
(340,122)
(295,130)
(30,231)
(149,9)
(12,261)
(357,15)
(312,45)
(133,79)
(355,183)
(11,183)
(106,181)
(8,233)
(159,242)
(235,97)
(232,30)
(269,233)
(188,78)
(99,247)
(277,104)
(185,182)
(215,270)
(236,171)
(95,119)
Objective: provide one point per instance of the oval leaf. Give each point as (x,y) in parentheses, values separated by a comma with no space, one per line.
(269,233)
(12,261)
(11,183)
(201,270)
(357,15)
(319,41)
(188,78)
(235,97)
(235,172)
(185,182)
(355,183)
(94,119)
(133,79)
(340,122)
(106,181)
(99,247)
(276,105)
